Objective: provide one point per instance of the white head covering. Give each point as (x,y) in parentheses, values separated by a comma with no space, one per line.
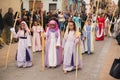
(26,26)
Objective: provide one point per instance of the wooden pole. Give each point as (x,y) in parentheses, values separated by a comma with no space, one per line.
(8,51)
(97,7)
(32,14)
(43,43)
(76,75)
(43,47)
(72,6)
(92,31)
(31,21)
(77,52)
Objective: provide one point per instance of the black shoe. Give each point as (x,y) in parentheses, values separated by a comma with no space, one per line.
(86,51)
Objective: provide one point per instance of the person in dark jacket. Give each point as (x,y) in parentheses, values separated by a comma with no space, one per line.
(8,21)
(1,26)
(1,22)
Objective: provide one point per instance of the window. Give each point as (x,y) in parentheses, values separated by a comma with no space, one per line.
(55,0)
(52,7)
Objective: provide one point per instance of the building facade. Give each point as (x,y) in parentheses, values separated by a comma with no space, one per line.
(87,6)
(48,5)
(5,4)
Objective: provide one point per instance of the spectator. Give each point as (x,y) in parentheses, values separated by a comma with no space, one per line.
(48,17)
(1,26)
(9,21)
(44,20)
(25,17)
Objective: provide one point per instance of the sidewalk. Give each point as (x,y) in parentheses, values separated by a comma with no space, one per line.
(113,52)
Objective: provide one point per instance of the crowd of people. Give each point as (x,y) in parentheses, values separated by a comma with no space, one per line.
(66,36)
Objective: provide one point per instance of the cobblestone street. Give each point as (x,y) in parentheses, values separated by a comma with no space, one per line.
(96,66)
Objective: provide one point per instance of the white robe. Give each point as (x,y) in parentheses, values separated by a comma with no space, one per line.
(37,38)
(23,45)
(52,53)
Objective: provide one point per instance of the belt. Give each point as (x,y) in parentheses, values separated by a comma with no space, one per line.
(23,37)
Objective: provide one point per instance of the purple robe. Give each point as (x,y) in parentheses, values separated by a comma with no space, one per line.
(56,33)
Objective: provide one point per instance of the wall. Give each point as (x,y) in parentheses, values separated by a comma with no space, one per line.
(5,4)
(26,4)
(47,2)
(87,5)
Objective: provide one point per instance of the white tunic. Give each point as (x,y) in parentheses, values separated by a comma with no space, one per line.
(23,44)
(52,53)
(37,38)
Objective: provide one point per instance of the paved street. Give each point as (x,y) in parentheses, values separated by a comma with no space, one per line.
(95,67)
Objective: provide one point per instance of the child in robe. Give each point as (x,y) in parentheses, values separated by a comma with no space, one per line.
(24,53)
(88,37)
(36,29)
(53,56)
(70,43)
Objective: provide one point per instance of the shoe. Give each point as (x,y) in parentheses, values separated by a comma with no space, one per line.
(86,51)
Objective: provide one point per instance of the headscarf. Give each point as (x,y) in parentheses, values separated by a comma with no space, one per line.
(26,26)
(54,23)
(55,30)
(26,29)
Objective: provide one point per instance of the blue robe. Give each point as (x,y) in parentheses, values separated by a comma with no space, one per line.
(88,34)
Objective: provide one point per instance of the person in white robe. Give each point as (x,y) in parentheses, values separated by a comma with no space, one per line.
(88,37)
(37,30)
(53,55)
(70,52)
(24,53)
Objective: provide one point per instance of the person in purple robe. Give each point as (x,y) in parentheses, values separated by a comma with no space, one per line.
(53,56)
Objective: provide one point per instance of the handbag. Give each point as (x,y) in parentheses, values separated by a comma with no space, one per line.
(115,69)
